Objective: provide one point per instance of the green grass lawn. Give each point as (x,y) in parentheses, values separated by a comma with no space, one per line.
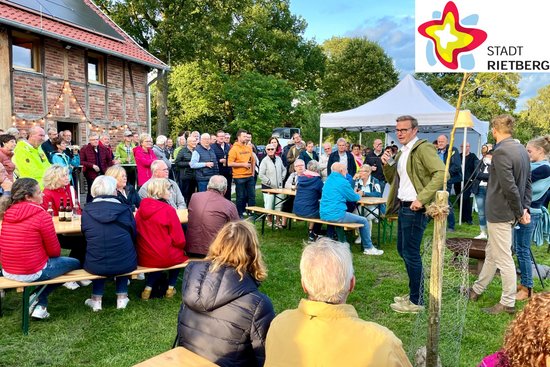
(75,336)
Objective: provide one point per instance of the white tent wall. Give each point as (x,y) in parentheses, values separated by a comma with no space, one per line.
(410,97)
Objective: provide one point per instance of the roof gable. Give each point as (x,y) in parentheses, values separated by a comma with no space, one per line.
(82,24)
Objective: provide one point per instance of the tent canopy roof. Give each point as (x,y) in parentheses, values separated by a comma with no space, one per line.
(409,97)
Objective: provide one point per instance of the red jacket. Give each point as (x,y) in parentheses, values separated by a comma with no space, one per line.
(88,158)
(55,196)
(160,239)
(27,239)
(143,163)
(5,158)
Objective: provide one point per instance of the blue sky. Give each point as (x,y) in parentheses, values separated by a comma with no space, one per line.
(388,22)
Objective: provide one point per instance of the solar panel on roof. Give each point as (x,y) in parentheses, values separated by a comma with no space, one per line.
(72,11)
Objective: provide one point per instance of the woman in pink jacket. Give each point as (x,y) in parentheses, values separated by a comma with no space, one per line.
(160,238)
(7,145)
(29,248)
(144,156)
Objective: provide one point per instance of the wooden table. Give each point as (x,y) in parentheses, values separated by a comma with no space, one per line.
(177,357)
(367,201)
(280,191)
(73,227)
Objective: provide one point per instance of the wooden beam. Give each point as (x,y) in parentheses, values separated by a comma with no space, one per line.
(5,81)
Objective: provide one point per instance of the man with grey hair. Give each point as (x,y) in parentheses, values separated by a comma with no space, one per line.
(343,156)
(204,161)
(324,330)
(48,147)
(95,158)
(337,192)
(160,151)
(159,169)
(29,158)
(209,211)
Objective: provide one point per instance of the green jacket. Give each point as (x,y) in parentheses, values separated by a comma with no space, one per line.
(30,161)
(426,171)
(120,153)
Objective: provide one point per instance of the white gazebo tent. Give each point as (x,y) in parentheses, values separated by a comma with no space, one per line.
(410,97)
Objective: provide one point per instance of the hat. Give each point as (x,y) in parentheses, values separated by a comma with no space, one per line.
(128,133)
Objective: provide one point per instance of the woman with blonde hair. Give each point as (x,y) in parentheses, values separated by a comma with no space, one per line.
(126,193)
(222,303)
(527,340)
(144,156)
(160,239)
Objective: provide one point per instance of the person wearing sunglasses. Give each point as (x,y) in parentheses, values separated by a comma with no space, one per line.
(272,173)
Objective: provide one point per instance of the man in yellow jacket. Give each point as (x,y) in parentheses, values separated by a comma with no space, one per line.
(324,330)
(29,158)
(242,161)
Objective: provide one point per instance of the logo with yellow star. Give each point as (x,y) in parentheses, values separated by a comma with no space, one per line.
(451,39)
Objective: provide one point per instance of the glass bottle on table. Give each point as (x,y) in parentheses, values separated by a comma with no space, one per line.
(61,211)
(293,186)
(68,211)
(50,209)
(76,210)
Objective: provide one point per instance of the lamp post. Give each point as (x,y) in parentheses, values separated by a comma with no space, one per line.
(464,120)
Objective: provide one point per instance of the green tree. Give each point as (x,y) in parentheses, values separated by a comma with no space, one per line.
(534,120)
(259,103)
(488,94)
(306,114)
(196,96)
(357,71)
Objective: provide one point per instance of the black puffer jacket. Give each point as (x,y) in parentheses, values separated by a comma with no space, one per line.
(222,318)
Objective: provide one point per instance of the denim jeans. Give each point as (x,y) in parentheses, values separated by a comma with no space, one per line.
(202,185)
(121,286)
(522,244)
(246,193)
(172,277)
(366,242)
(480,202)
(410,230)
(55,267)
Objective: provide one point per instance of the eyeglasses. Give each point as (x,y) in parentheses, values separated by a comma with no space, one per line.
(270,149)
(327,148)
(402,131)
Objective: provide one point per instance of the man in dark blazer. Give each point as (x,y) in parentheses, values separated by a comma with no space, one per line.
(508,201)
(470,165)
(221,149)
(455,172)
(341,155)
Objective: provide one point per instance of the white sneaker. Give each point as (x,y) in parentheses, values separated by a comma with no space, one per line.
(401,299)
(33,305)
(140,276)
(373,251)
(85,283)
(93,304)
(2,293)
(481,236)
(71,285)
(121,303)
(358,240)
(40,312)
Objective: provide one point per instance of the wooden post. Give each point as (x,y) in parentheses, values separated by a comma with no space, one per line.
(5,81)
(436,280)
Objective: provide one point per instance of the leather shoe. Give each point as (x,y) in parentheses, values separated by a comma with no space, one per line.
(472,295)
(499,308)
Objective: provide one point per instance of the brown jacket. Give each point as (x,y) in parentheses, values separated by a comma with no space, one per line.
(208,212)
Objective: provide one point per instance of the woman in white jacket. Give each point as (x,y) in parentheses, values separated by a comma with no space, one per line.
(272,173)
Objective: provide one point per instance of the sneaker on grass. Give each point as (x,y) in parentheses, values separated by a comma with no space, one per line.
(373,251)
(95,305)
(401,299)
(40,312)
(406,307)
(71,285)
(121,303)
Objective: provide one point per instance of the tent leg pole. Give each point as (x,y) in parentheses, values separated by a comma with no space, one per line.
(463,178)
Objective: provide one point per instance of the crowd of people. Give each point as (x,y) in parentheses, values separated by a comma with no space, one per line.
(130,218)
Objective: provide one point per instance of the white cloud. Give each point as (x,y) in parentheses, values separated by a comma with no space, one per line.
(395,35)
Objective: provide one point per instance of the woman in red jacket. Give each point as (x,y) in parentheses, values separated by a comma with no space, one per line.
(144,156)
(160,239)
(29,249)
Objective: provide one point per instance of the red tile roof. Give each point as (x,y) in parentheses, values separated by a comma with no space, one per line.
(18,17)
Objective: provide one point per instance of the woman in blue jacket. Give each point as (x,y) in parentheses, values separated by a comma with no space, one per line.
(110,231)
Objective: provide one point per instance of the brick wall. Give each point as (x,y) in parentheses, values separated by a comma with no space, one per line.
(108,105)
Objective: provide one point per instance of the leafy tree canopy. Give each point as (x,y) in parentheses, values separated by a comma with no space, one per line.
(357,71)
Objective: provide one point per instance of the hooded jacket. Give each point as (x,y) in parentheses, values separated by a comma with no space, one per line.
(308,194)
(336,192)
(110,231)
(27,239)
(160,239)
(143,163)
(223,318)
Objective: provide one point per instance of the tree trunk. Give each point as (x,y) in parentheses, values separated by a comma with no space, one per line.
(162,103)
